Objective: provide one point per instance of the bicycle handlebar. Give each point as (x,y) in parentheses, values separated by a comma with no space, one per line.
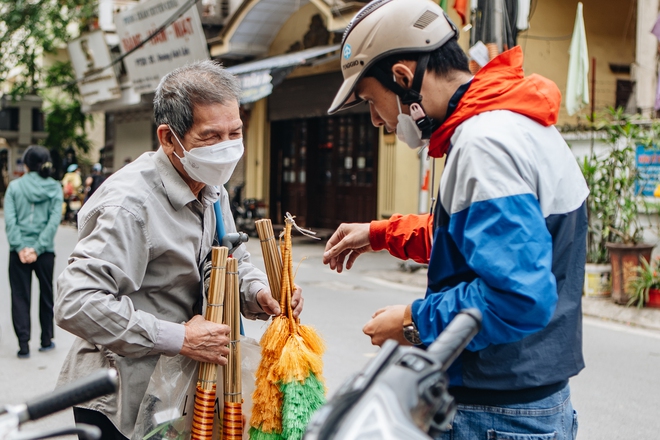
(95,385)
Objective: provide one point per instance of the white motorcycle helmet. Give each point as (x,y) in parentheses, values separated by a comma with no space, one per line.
(387,27)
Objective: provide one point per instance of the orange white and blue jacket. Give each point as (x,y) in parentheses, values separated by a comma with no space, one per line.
(508,237)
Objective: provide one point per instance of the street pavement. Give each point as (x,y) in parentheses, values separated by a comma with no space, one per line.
(615,395)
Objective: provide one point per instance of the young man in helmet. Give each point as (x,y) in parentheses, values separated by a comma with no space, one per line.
(508,235)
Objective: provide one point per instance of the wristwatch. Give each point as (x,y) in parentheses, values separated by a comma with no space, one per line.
(409,328)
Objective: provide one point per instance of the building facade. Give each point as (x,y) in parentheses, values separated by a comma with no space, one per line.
(330,169)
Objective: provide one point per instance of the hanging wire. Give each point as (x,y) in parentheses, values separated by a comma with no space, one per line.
(182,10)
(433,197)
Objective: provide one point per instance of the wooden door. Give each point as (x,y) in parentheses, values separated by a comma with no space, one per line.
(289,166)
(325,170)
(347,157)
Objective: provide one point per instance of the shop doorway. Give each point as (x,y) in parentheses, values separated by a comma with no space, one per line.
(324,170)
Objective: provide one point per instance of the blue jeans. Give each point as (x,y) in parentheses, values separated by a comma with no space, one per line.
(552,418)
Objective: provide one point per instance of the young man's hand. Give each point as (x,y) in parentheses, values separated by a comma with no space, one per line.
(349,240)
(386,323)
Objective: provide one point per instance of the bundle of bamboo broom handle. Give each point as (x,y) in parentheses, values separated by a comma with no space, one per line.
(223,306)
(272,257)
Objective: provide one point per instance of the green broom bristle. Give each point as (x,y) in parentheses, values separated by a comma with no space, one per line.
(300,402)
(257,434)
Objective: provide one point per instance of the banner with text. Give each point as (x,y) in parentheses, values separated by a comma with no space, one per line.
(178,44)
(90,58)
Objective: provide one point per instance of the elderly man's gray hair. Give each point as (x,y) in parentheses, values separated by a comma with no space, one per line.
(199,83)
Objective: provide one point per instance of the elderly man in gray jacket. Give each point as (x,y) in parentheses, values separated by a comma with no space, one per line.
(131,291)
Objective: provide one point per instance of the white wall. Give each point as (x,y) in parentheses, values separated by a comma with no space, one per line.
(133,139)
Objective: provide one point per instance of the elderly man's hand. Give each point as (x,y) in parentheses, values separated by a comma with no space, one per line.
(272,307)
(206,341)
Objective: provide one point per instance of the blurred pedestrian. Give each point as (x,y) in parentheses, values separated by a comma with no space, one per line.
(32,213)
(72,182)
(94,180)
(72,187)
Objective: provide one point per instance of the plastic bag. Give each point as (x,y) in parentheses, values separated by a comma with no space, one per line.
(250,359)
(167,408)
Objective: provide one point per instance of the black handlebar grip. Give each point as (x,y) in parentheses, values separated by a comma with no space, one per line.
(97,384)
(455,337)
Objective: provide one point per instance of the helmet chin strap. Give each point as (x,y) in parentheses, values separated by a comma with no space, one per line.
(412,95)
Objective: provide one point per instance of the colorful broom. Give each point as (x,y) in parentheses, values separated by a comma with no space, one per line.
(289,385)
(202,425)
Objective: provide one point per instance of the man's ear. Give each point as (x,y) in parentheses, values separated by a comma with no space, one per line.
(166,138)
(404,72)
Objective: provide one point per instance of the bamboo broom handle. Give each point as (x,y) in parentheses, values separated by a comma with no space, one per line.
(272,258)
(215,306)
(202,425)
(232,411)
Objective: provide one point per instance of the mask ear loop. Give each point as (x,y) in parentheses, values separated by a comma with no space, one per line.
(433,197)
(398,101)
(180,144)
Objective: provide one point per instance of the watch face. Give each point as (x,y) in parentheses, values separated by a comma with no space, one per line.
(411,334)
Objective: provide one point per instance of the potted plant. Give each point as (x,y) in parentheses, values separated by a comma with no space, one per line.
(597,277)
(615,232)
(645,286)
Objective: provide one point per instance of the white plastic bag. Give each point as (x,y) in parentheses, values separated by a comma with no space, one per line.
(167,408)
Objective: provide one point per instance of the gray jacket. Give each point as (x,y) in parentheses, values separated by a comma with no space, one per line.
(133,278)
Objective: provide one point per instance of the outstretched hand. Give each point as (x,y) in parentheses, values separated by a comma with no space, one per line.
(349,240)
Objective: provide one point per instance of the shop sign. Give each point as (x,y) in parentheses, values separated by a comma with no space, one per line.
(180,43)
(255,85)
(91,62)
(648,170)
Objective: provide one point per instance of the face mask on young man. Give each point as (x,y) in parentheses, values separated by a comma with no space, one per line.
(211,165)
(406,128)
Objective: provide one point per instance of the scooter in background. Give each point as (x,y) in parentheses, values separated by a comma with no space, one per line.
(73,204)
(246,212)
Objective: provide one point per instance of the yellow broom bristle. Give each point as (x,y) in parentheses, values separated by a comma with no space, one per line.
(275,336)
(267,397)
(295,362)
(312,339)
(267,407)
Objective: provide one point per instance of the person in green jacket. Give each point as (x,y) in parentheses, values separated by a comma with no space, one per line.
(33,210)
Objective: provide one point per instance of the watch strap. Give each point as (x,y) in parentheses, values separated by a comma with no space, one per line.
(407,316)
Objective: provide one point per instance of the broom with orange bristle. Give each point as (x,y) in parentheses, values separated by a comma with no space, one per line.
(289,386)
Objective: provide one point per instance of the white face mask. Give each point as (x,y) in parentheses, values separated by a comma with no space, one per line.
(407,130)
(214,164)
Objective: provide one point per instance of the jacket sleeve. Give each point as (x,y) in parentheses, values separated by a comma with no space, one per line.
(252,279)
(110,258)
(14,236)
(497,236)
(404,236)
(54,218)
